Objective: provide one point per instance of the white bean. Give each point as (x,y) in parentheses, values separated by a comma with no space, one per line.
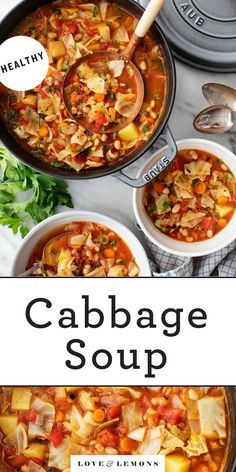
(175,209)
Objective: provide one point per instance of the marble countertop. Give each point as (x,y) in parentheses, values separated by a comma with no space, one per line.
(109,196)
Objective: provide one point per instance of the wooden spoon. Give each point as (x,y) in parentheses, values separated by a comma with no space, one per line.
(142,28)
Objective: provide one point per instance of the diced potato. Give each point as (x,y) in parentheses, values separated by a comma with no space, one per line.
(177,463)
(129,132)
(37,450)
(57,49)
(21,397)
(223,210)
(72,389)
(30,99)
(8,423)
(104,31)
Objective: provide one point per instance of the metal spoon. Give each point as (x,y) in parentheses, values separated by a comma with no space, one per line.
(218,94)
(51,252)
(216,119)
(98,57)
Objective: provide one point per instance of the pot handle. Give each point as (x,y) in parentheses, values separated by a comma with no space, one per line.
(161,165)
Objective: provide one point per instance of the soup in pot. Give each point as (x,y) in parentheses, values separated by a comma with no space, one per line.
(38,118)
(41,427)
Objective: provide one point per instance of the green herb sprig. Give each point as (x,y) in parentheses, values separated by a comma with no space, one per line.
(43,195)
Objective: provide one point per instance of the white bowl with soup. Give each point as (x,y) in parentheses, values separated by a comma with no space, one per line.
(108,248)
(189,209)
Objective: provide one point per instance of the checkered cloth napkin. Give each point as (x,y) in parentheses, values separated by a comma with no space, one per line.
(219,264)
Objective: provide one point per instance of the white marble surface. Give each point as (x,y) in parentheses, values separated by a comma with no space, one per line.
(109,196)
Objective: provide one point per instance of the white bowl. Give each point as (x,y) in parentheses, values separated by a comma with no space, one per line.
(202,248)
(29,242)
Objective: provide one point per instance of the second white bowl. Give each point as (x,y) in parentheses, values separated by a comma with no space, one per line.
(202,248)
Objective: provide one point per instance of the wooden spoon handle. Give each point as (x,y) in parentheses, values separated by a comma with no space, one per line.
(148,17)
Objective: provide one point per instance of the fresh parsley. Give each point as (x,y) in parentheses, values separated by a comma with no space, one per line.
(18,208)
(166,205)
(95,11)
(145,128)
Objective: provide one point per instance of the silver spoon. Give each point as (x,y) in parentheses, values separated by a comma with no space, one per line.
(216,119)
(218,94)
(30,271)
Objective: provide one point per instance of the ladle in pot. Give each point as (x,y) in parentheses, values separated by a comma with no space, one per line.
(50,252)
(98,57)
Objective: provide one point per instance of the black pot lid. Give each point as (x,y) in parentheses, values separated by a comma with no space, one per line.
(202,33)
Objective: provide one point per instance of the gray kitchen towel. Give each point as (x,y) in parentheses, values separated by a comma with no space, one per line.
(219,264)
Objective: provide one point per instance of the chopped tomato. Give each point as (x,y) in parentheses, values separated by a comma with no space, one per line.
(108,438)
(57,434)
(17,106)
(91,31)
(153,419)
(58,25)
(178,163)
(146,402)
(72,27)
(100,120)
(113,412)
(28,417)
(234,198)
(79,159)
(170,414)
(208,222)
(121,430)
(105,44)
(17,461)
(42,93)
(184,207)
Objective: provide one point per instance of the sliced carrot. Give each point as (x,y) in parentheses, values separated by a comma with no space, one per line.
(201,468)
(173,198)
(128,445)
(99,415)
(200,188)
(222,200)
(222,222)
(158,187)
(109,253)
(194,236)
(43,132)
(60,416)
(99,97)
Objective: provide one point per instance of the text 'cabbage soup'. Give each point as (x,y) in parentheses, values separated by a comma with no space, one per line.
(83,248)
(41,427)
(38,118)
(194,198)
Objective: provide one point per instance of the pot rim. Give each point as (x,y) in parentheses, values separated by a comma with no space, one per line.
(15,148)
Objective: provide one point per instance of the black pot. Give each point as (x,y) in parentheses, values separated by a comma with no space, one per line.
(11,21)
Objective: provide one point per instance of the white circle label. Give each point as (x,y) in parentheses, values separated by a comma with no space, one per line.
(23,63)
